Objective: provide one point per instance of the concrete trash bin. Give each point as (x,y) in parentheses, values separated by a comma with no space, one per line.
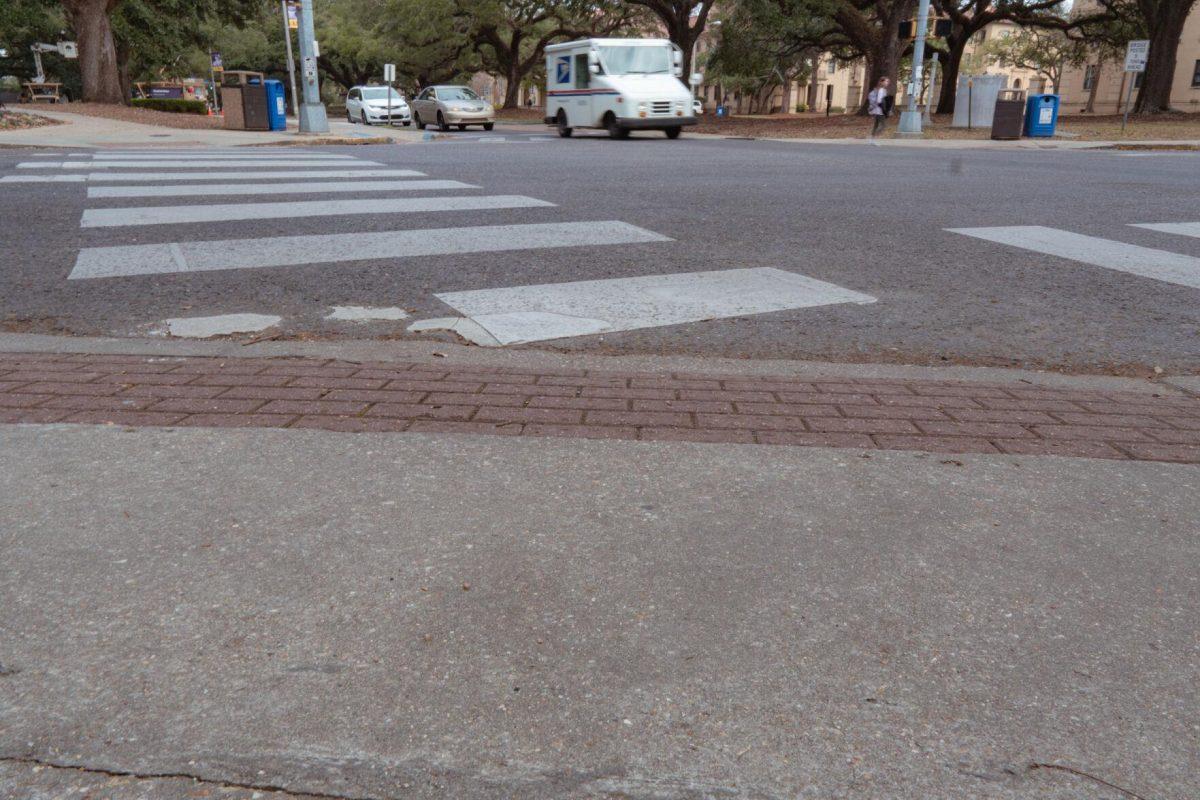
(1009,114)
(1041,115)
(234,84)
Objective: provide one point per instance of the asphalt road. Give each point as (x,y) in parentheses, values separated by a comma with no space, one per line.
(868,219)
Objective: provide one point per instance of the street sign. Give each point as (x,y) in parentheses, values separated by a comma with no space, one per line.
(1135,55)
(389,73)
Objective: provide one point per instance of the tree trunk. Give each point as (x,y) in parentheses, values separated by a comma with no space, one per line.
(98,67)
(1091,101)
(950,70)
(1155,94)
(512,84)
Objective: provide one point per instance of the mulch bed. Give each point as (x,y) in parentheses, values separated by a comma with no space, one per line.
(144,116)
(16,120)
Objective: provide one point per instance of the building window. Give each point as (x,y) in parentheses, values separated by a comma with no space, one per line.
(1089,76)
(831,67)
(1196,74)
(1017,83)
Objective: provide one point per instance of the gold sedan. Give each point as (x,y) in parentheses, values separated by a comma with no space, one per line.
(452,105)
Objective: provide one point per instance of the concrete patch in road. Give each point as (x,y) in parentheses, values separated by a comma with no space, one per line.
(365,314)
(173,215)
(1145,262)
(560,310)
(289,251)
(220,325)
(468,329)
(115,177)
(318,187)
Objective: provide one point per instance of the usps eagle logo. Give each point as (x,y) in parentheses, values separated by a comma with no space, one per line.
(563,70)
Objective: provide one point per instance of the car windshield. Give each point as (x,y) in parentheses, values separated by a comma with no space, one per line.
(380,93)
(636,60)
(456,93)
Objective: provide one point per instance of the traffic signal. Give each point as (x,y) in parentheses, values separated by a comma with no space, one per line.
(941,29)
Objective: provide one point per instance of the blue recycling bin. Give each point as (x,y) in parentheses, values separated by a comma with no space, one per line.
(722,111)
(1041,114)
(276,105)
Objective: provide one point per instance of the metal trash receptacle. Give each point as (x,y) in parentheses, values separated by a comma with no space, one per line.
(1041,115)
(1009,115)
(276,106)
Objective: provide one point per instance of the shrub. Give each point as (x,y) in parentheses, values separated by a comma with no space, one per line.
(801,108)
(174,105)
(836,110)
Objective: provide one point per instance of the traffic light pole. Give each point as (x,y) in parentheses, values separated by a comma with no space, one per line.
(312,110)
(910,120)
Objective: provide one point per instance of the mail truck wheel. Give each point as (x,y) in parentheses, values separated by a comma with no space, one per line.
(673,133)
(615,131)
(564,130)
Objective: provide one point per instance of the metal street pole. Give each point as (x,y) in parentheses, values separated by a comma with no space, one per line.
(312,110)
(910,120)
(291,62)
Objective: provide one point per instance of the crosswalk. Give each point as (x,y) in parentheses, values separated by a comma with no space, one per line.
(1145,262)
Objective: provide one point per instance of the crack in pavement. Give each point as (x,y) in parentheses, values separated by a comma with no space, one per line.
(122,773)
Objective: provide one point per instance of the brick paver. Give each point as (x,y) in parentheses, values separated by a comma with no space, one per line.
(933,416)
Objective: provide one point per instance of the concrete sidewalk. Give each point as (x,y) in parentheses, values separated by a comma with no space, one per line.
(100,132)
(377,616)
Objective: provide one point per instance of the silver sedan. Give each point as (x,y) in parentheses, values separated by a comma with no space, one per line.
(452,105)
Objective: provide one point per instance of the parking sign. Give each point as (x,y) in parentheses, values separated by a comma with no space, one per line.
(1135,55)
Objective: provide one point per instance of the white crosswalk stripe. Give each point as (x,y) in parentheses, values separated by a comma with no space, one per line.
(285,251)
(186,164)
(167,215)
(1134,259)
(311,187)
(114,177)
(1181,228)
(216,157)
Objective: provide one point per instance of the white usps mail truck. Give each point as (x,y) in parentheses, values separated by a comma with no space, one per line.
(618,85)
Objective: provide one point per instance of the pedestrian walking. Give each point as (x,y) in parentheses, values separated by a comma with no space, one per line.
(877,106)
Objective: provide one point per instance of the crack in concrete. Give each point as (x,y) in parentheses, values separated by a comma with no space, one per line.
(122,773)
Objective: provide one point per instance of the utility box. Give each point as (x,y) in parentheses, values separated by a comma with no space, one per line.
(244,101)
(1041,115)
(276,106)
(1008,118)
(975,100)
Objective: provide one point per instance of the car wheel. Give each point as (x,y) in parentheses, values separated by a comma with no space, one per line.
(363,114)
(349,117)
(615,131)
(417,120)
(442,123)
(564,130)
(462,127)
(673,133)
(487,126)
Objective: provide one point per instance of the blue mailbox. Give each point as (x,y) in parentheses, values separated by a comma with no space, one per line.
(276,105)
(1041,114)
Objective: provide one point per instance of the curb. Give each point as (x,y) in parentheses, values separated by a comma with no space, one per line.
(445,353)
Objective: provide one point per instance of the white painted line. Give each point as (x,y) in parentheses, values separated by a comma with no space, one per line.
(207,156)
(225,212)
(288,251)
(146,177)
(560,310)
(44,179)
(1179,228)
(468,329)
(222,325)
(185,164)
(365,313)
(202,190)
(1143,261)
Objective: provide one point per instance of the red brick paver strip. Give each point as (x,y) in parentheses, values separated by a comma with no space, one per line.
(935,416)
